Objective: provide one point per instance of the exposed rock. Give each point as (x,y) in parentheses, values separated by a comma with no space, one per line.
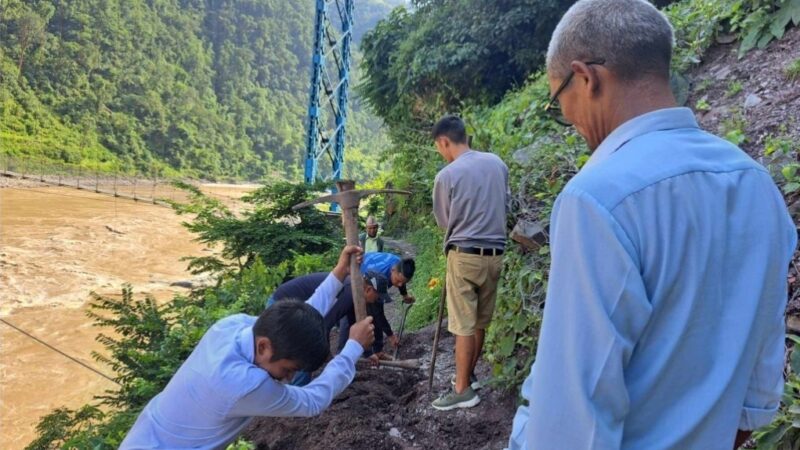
(721,73)
(793,324)
(751,101)
(530,235)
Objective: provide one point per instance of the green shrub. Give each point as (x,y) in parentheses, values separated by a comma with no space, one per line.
(792,71)
(734,87)
(697,23)
(784,432)
(429,277)
(303,264)
(761,21)
(270,230)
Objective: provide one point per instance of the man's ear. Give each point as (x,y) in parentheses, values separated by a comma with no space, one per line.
(263,347)
(586,77)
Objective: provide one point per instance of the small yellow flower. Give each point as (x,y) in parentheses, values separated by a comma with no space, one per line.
(433,283)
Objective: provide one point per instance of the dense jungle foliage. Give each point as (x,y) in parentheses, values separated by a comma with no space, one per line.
(198,88)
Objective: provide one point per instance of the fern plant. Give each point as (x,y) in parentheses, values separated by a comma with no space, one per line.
(761,21)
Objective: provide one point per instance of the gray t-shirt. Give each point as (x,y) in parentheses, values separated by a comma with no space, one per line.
(470,200)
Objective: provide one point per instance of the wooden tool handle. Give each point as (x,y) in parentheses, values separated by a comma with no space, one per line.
(350,223)
(432,368)
(409,364)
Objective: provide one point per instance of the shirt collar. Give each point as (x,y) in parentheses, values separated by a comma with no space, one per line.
(659,120)
(246,344)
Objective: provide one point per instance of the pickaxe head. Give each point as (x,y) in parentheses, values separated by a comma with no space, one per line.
(348,197)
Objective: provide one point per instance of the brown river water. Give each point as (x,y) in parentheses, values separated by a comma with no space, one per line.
(57,244)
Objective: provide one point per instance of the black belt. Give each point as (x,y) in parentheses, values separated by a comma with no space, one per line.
(476,250)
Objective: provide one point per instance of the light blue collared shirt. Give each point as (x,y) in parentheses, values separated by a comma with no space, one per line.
(218,389)
(663,326)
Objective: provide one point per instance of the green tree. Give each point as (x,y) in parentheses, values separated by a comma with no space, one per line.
(267,232)
(450,53)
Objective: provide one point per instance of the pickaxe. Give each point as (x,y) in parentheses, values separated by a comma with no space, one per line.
(349,198)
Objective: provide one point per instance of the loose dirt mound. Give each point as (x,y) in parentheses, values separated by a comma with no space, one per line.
(390,409)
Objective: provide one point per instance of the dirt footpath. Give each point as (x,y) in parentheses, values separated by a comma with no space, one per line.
(390,409)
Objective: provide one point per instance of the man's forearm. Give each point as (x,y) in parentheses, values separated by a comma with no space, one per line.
(340,272)
(342,268)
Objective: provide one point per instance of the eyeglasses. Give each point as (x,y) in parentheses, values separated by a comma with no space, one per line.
(554,108)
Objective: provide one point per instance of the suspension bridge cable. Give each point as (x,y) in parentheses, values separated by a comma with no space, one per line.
(143,201)
(75,360)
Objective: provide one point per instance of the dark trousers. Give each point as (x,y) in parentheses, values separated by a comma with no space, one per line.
(344,330)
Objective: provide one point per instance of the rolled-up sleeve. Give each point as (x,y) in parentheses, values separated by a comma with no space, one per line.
(324,296)
(596,309)
(766,383)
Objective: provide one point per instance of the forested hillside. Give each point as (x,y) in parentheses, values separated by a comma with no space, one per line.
(205,88)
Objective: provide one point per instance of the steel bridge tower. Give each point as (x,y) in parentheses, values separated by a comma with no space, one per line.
(330,83)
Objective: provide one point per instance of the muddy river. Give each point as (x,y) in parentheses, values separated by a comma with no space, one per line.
(57,245)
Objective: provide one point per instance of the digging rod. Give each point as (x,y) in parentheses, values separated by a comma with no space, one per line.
(400,334)
(350,223)
(442,298)
(409,364)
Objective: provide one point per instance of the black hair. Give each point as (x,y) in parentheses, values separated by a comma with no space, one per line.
(297,332)
(451,127)
(407,267)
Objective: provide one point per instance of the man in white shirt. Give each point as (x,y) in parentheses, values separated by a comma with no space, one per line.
(235,372)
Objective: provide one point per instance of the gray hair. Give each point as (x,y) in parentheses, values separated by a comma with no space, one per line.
(633,38)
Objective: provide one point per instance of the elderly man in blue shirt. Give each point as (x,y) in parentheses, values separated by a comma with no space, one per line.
(663,325)
(236,370)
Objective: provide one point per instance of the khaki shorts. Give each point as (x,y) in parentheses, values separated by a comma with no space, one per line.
(471,291)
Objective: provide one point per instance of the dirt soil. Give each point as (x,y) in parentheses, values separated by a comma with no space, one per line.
(753,90)
(390,409)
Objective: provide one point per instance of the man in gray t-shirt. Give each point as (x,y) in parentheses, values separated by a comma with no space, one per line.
(470,198)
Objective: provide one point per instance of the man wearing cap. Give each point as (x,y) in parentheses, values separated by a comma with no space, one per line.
(470,197)
(370,241)
(376,288)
